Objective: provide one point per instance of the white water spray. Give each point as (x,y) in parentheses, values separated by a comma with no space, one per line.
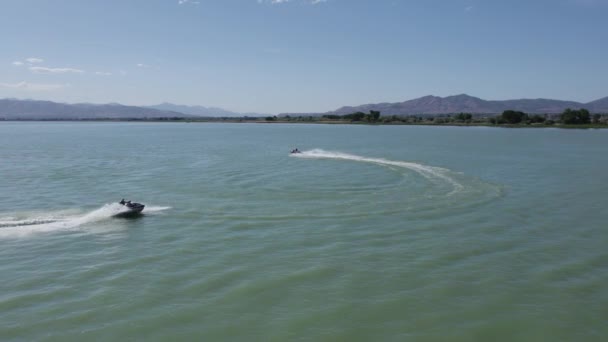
(429,172)
(19,225)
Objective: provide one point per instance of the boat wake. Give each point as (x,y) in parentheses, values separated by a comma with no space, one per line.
(431,173)
(28,223)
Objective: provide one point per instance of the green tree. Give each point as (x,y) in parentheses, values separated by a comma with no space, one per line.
(513,117)
(537,119)
(374,115)
(358,116)
(575,117)
(463,117)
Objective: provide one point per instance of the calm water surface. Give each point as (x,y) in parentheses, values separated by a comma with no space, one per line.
(374,233)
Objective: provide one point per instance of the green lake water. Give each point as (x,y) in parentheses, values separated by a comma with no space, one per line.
(373,233)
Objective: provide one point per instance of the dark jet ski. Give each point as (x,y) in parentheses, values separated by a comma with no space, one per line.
(295,151)
(133,208)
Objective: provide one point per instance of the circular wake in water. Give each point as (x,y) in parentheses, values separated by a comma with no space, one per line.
(444,188)
(29,223)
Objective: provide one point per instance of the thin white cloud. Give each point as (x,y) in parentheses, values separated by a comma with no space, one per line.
(142,65)
(33,86)
(17,63)
(181,2)
(45,70)
(101,73)
(34,60)
(469,8)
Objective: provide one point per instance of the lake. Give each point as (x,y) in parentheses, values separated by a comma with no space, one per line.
(373,233)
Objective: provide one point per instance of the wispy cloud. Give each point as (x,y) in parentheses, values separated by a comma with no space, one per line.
(33,86)
(469,8)
(101,73)
(142,65)
(30,61)
(181,2)
(34,60)
(272,1)
(45,70)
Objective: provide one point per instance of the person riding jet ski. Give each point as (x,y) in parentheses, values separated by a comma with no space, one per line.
(134,208)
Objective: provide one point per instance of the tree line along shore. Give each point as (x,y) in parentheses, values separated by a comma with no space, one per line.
(569,118)
(510,118)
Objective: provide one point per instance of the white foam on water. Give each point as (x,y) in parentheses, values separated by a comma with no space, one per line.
(429,172)
(26,222)
(34,223)
(153,209)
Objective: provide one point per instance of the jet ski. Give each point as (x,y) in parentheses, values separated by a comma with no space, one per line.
(295,151)
(133,208)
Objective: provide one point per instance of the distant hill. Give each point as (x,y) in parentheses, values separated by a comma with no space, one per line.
(195,110)
(469,104)
(203,111)
(13,109)
(598,106)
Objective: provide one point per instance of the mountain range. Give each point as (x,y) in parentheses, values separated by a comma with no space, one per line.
(14,109)
(469,104)
(195,110)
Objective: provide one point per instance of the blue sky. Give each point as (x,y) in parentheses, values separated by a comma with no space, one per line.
(276,56)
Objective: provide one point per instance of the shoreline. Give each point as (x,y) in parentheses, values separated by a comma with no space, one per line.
(321,122)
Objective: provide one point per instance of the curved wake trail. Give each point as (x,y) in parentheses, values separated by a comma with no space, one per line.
(42,223)
(428,172)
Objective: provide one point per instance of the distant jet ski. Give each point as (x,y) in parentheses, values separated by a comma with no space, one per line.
(295,151)
(133,208)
